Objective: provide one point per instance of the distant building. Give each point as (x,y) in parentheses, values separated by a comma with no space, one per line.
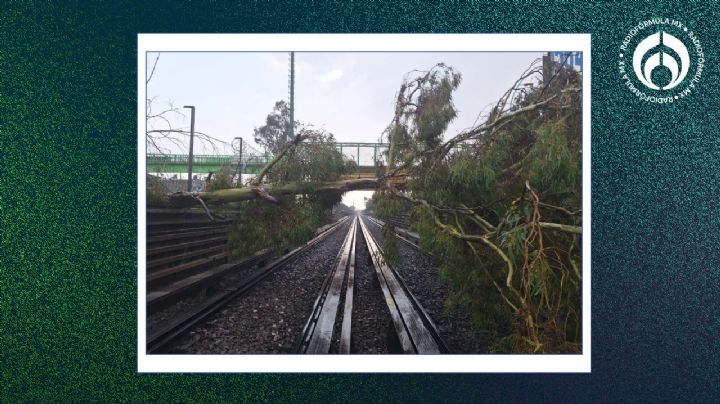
(574,59)
(552,61)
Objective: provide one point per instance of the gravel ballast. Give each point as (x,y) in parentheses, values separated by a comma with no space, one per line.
(372,327)
(269,318)
(422,277)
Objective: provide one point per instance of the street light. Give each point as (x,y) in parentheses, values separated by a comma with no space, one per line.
(291,129)
(192,135)
(238,145)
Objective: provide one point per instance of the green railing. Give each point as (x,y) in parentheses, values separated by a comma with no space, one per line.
(178,163)
(366,155)
(182,159)
(204,163)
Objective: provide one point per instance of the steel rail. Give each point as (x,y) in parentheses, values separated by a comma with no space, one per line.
(416,331)
(399,231)
(405,236)
(431,324)
(317,334)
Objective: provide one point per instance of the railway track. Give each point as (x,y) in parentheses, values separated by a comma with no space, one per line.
(402,233)
(163,338)
(419,271)
(332,314)
(184,249)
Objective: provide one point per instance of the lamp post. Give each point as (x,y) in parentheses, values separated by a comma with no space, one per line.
(291,129)
(192,136)
(239,142)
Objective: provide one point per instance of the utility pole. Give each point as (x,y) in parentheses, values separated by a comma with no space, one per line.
(192,136)
(239,164)
(291,130)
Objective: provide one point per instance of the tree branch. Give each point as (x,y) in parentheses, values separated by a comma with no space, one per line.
(258,180)
(153,69)
(561,227)
(445,148)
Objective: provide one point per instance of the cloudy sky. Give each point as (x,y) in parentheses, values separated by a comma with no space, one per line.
(348,94)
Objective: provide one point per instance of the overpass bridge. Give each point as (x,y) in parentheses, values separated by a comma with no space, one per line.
(366,155)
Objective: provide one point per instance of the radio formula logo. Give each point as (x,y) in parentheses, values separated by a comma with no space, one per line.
(661,61)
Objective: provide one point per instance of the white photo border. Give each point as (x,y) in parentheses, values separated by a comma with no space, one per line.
(501,363)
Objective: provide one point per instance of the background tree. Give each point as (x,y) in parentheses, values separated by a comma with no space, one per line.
(309,161)
(310,158)
(161,133)
(274,134)
(315,161)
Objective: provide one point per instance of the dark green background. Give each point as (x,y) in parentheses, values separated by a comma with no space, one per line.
(68,205)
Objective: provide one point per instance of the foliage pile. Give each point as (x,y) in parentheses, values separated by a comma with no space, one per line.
(312,162)
(500,202)
(220,180)
(156,193)
(258,224)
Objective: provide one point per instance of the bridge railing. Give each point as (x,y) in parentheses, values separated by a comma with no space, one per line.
(362,153)
(366,155)
(215,160)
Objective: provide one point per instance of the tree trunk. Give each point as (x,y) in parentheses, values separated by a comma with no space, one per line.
(183,199)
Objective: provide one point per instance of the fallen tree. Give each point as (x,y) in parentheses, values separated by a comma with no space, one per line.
(499,202)
(286,155)
(288,200)
(185,199)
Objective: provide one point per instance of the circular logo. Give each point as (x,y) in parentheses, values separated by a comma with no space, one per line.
(661,61)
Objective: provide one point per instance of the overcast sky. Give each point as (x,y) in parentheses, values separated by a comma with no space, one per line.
(349,94)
